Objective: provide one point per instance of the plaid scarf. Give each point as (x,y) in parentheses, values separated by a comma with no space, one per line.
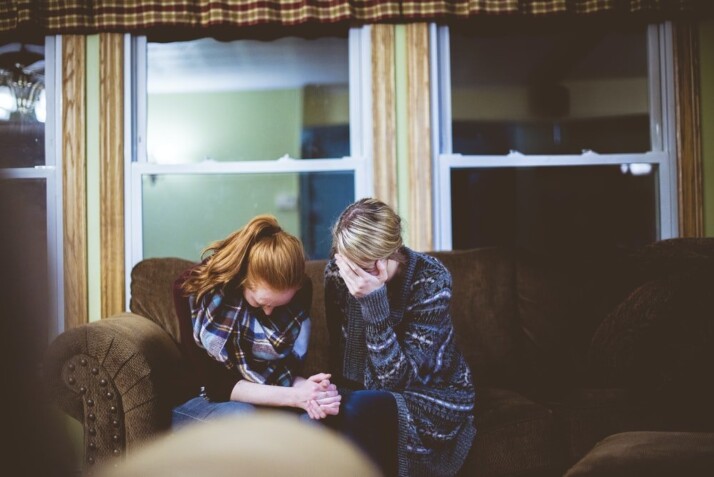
(264,349)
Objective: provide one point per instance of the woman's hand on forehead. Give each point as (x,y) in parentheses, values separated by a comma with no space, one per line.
(360,282)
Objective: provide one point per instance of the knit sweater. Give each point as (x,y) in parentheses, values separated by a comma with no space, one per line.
(400,338)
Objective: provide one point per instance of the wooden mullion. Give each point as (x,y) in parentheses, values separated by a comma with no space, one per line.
(689,131)
(74,176)
(111,171)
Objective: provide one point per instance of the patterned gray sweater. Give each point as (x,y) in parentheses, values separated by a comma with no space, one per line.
(400,338)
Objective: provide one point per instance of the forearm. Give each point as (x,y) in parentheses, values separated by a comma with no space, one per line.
(385,352)
(264,394)
(414,355)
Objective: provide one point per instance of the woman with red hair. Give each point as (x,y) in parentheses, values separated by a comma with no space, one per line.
(243,316)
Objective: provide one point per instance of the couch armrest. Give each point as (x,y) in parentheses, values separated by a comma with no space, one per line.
(117,377)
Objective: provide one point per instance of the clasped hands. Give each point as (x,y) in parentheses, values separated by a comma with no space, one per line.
(318,396)
(361,282)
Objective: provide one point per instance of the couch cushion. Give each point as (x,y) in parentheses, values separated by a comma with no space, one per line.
(650,454)
(514,436)
(666,257)
(661,335)
(317,355)
(152,291)
(561,299)
(484,314)
(586,415)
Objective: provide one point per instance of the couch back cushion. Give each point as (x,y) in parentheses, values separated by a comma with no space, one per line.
(484,313)
(152,291)
(317,360)
(562,297)
(660,338)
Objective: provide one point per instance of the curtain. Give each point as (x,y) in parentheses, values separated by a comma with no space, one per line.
(91,16)
(462,9)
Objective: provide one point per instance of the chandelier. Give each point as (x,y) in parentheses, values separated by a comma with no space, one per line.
(22,82)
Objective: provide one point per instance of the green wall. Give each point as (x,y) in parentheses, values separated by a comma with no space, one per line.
(706,37)
(182,214)
(226,126)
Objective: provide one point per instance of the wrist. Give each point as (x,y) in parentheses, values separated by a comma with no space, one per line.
(294,398)
(375,305)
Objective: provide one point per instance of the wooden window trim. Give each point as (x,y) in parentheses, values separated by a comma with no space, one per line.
(690,180)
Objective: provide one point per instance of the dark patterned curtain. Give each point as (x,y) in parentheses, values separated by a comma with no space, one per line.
(463,9)
(90,16)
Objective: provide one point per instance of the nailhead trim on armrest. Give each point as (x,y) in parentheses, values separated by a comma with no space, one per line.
(104,434)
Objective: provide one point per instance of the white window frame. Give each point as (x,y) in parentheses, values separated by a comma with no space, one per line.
(662,133)
(137,166)
(51,173)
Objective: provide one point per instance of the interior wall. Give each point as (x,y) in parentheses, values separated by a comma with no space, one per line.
(588,99)
(191,127)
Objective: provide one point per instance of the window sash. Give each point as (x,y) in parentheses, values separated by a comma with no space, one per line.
(137,166)
(662,128)
(51,174)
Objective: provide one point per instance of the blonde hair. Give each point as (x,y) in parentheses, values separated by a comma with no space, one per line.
(260,252)
(368,230)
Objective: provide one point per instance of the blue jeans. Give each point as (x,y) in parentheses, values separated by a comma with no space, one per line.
(200,409)
(369,419)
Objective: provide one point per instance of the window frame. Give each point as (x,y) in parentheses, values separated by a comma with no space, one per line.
(51,173)
(662,136)
(137,166)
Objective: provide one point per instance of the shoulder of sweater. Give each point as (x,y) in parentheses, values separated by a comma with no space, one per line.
(331,270)
(431,268)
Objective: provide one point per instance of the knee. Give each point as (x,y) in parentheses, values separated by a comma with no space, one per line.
(362,407)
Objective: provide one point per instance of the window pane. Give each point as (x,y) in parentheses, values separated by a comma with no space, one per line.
(23,209)
(182,214)
(543,208)
(22,104)
(247,100)
(550,93)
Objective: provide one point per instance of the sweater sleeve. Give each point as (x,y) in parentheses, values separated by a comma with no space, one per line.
(413,353)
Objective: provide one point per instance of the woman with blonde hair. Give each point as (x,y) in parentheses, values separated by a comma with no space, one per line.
(244,327)
(407,392)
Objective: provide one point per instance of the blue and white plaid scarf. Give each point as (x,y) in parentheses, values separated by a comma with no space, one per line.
(264,349)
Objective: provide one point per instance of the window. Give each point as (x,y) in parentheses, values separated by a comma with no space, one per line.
(547,139)
(228,130)
(30,178)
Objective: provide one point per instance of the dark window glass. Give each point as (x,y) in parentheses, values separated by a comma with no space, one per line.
(546,208)
(550,92)
(23,207)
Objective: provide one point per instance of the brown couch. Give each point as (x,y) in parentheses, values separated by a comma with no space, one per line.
(566,348)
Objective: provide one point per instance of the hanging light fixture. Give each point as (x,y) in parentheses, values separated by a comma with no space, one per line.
(22,82)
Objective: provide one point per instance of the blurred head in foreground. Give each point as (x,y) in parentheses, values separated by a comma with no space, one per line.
(262,443)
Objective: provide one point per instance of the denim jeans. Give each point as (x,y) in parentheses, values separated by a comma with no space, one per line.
(200,409)
(369,419)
